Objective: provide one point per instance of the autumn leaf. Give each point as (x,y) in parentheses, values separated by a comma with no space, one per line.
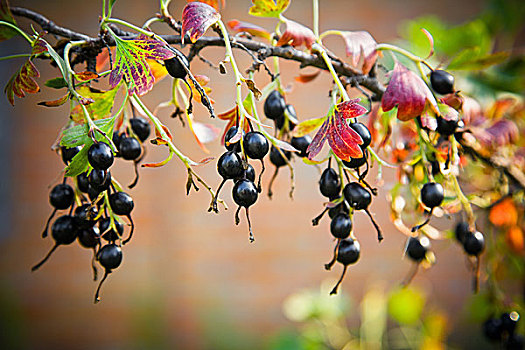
(130,62)
(85,76)
(268,8)
(203,81)
(504,213)
(158,70)
(6,16)
(296,35)
(409,93)
(515,239)
(232,116)
(197,17)
(101,106)
(343,140)
(212,3)
(55,103)
(307,77)
(360,45)
(307,126)
(245,27)
(496,133)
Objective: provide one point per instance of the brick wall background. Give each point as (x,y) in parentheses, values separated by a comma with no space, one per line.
(190,279)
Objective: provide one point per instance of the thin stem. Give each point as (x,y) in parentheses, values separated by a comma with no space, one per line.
(131,26)
(317,47)
(15,56)
(315,9)
(104,9)
(18,30)
(329,32)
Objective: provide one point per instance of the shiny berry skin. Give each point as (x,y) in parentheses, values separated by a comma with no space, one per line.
(348,251)
(330,183)
(474,244)
(245,193)
(121,203)
(274,105)
(141,128)
(235,146)
(448,127)
(341,226)
(62,196)
(301,144)
(462,231)
(100,156)
(249,173)
(64,230)
(432,194)
(509,321)
(365,134)
(110,256)
(417,248)
(291,115)
(256,145)
(357,196)
(129,148)
(83,182)
(111,236)
(99,180)
(340,208)
(85,216)
(355,163)
(116,139)
(442,82)
(89,237)
(175,68)
(277,159)
(492,329)
(93,192)
(69,153)
(229,165)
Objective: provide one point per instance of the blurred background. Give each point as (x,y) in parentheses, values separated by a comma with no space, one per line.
(191,279)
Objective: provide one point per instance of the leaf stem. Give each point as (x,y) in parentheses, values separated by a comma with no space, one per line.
(18,30)
(315,9)
(320,49)
(15,56)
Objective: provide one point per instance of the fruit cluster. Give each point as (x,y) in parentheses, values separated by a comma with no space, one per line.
(503,330)
(95,222)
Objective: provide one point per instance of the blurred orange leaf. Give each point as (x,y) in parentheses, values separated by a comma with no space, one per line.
(246,27)
(504,213)
(307,77)
(515,240)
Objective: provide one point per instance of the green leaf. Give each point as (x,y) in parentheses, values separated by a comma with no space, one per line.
(78,135)
(59,61)
(307,126)
(99,109)
(6,16)
(405,305)
(56,83)
(471,59)
(268,8)
(79,163)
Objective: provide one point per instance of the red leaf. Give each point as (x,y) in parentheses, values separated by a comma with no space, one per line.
(350,109)
(213,3)
(409,93)
(55,103)
(307,77)
(318,141)
(232,116)
(255,30)
(22,81)
(361,45)
(344,140)
(197,17)
(296,35)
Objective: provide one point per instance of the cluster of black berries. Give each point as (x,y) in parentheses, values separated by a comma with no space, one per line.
(503,330)
(234,165)
(95,221)
(354,196)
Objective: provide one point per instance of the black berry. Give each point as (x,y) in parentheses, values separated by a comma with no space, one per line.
(129,148)
(85,216)
(330,183)
(141,128)
(363,131)
(462,231)
(357,196)
(492,329)
(432,194)
(110,236)
(175,68)
(348,251)
(234,146)
(110,256)
(121,203)
(229,165)
(277,159)
(89,237)
(255,145)
(100,156)
(301,144)
(341,226)
(417,248)
(62,196)
(69,153)
(274,105)
(83,182)
(447,127)
(245,193)
(355,163)
(474,243)
(442,82)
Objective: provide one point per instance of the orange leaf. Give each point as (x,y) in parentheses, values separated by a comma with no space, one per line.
(245,27)
(157,69)
(296,35)
(504,213)
(55,103)
(307,77)
(514,238)
(85,76)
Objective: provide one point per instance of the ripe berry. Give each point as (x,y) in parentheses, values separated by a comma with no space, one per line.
(121,203)
(110,236)
(69,153)
(110,257)
(249,173)
(175,68)
(117,137)
(474,243)
(462,231)
(277,159)
(348,252)
(64,231)
(340,208)
(83,182)
(93,193)
(62,196)
(357,196)
(255,145)
(301,144)
(129,148)
(363,131)
(89,237)
(245,193)
(229,165)
(355,163)
(330,183)
(274,105)
(291,116)
(85,216)
(99,179)
(100,156)
(432,194)
(141,128)
(442,82)
(341,226)
(417,248)
(235,146)
(492,329)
